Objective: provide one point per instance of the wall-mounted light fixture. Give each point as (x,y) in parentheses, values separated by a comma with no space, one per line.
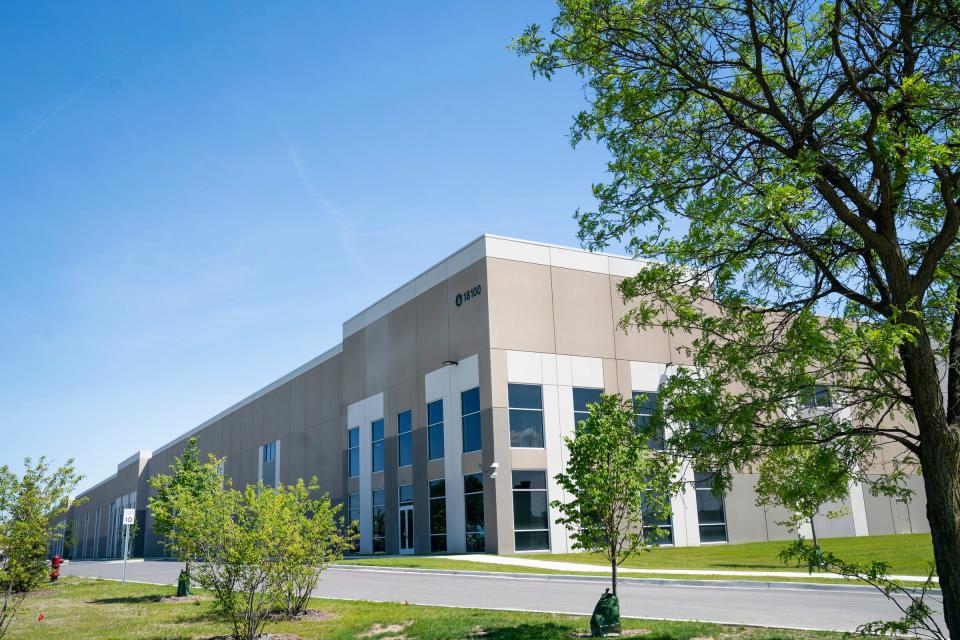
(493,468)
(449,362)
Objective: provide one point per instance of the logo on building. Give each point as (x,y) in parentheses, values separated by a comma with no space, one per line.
(465,296)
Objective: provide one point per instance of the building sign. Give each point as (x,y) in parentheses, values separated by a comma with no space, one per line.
(466,296)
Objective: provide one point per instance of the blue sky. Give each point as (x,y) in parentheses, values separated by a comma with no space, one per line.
(194,196)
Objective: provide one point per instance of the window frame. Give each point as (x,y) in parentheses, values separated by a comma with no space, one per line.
(517,410)
(382,506)
(353,453)
(463,421)
(480,535)
(546,494)
(377,445)
(432,504)
(405,438)
(435,428)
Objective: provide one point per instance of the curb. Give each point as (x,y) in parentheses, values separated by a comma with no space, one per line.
(665,582)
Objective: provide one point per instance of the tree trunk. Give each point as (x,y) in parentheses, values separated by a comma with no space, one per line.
(813,533)
(940,462)
(613,570)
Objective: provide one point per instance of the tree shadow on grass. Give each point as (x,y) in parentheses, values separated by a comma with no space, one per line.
(128,600)
(540,631)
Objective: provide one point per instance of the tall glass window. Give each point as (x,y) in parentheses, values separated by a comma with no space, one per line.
(470,410)
(710,511)
(353,458)
(645,404)
(435,429)
(379,522)
(438,516)
(353,517)
(652,523)
(270,451)
(531,516)
(526,415)
(376,439)
(582,399)
(473,507)
(405,439)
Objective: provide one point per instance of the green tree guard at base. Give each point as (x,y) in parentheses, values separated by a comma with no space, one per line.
(183,584)
(606,616)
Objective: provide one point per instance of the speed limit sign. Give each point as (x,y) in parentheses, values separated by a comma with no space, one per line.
(129,516)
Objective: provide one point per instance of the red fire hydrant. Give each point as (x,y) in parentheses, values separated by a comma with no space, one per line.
(55,567)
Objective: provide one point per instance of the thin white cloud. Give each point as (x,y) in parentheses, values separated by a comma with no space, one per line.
(345,231)
(76,95)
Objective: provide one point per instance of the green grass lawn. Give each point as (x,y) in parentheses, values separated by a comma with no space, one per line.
(101,610)
(907,554)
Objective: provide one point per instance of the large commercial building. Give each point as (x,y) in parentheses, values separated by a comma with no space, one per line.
(439,420)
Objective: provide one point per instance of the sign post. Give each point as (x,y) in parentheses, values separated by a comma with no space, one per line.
(129,517)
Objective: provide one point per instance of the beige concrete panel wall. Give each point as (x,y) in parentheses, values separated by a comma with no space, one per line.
(745,521)
(352,364)
(521,306)
(470,322)
(376,354)
(917,507)
(433,328)
(527,458)
(582,313)
(473,462)
(292,457)
(496,391)
(434,470)
(498,495)
(841,527)
(611,376)
(402,343)
(642,345)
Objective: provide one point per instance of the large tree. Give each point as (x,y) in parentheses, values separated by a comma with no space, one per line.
(795,165)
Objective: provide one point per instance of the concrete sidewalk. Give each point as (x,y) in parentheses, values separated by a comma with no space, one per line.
(576,567)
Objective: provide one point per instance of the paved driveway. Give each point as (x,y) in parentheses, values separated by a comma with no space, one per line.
(841,609)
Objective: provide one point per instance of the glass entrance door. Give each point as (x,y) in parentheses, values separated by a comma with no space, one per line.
(406,529)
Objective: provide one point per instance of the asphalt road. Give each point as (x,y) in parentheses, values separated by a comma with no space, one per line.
(759,604)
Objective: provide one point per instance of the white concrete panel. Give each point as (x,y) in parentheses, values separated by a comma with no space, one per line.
(586,372)
(524,367)
(373,407)
(579,260)
(276,466)
(436,384)
(564,371)
(466,375)
(517,250)
(355,414)
(453,471)
(858,509)
(646,376)
(447,383)
(365,412)
(559,542)
(548,368)
(625,267)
